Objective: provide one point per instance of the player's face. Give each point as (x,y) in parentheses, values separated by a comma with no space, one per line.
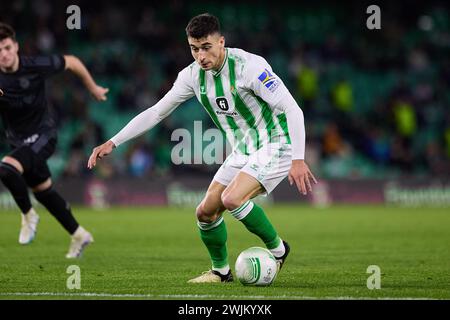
(208,51)
(8,53)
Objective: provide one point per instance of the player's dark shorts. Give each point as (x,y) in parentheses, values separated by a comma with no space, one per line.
(33,156)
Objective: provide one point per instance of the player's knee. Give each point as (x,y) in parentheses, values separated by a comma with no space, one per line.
(204,215)
(46,185)
(231,201)
(13,163)
(7,172)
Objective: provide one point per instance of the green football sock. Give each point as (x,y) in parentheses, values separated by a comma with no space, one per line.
(214,236)
(256,221)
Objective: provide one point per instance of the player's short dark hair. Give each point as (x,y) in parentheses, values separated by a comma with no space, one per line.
(202,26)
(6,31)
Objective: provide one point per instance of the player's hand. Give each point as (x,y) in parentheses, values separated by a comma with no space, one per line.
(99,93)
(100,152)
(302,176)
(1,92)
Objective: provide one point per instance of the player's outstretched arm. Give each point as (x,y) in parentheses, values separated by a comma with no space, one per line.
(147,119)
(77,67)
(100,152)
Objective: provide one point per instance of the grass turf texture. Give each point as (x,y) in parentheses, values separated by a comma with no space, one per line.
(150,253)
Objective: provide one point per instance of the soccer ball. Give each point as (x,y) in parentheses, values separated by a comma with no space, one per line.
(256,266)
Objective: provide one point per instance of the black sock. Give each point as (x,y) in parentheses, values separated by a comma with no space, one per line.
(58,207)
(13,180)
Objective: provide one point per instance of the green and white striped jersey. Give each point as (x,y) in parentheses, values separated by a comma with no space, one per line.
(244,98)
(240,98)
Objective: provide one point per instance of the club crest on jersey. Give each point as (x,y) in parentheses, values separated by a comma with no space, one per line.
(269,80)
(222,103)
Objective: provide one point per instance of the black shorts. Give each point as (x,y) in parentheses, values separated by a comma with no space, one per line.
(33,158)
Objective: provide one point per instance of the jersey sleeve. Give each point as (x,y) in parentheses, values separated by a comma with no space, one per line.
(266,84)
(261,79)
(48,64)
(182,88)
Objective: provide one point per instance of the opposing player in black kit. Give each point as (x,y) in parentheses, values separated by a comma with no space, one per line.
(31,133)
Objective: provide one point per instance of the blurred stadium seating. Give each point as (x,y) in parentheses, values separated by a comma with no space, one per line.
(376,102)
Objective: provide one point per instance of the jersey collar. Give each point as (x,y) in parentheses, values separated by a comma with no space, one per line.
(215,73)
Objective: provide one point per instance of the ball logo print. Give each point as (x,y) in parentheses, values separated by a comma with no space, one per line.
(252,270)
(256,266)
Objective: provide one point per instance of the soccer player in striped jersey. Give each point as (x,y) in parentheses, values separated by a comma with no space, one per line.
(250,104)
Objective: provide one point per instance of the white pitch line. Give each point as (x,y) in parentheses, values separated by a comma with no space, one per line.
(196,296)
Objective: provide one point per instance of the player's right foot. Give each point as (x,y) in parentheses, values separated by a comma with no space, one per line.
(282,259)
(28,229)
(80,239)
(211,276)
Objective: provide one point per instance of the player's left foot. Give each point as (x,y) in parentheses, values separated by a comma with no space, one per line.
(80,239)
(282,259)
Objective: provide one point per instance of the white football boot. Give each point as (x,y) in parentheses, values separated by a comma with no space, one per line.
(211,276)
(80,239)
(29,227)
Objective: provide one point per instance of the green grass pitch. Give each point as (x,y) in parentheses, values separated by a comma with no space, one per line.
(150,253)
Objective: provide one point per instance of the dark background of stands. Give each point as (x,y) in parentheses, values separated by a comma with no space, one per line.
(376,102)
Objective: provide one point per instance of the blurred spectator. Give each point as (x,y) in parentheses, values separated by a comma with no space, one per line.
(401,154)
(140,159)
(90,135)
(447,142)
(307,84)
(378,145)
(333,143)
(435,159)
(405,119)
(342,94)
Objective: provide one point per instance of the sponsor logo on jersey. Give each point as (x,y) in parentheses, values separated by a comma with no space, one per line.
(24,82)
(269,80)
(227,113)
(31,139)
(222,103)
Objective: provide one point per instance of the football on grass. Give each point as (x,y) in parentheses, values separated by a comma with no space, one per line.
(256,266)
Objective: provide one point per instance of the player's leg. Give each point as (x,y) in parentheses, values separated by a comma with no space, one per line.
(11,175)
(38,178)
(237,199)
(263,171)
(213,233)
(11,170)
(55,204)
(61,210)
